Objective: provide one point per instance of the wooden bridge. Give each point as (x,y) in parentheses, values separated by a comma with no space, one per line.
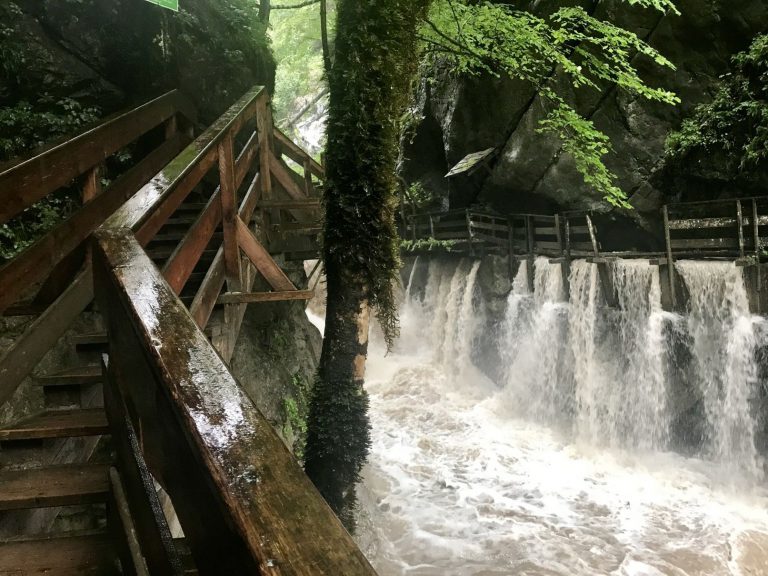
(170,254)
(732,230)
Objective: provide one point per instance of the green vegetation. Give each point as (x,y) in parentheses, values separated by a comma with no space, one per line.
(297,46)
(427,245)
(734,124)
(295,410)
(497,39)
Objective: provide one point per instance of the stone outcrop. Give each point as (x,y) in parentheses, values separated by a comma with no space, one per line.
(462,115)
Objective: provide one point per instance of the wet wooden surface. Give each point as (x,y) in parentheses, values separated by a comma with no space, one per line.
(245,504)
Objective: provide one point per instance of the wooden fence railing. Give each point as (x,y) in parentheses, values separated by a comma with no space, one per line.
(242,500)
(52,276)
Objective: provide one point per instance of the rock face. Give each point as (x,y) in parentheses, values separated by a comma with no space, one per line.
(109,54)
(466,115)
(275,361)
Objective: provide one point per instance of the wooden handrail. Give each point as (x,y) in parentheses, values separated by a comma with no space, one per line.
(244,503)
(27,181)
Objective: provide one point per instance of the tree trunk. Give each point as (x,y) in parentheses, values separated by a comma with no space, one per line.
(264,9)
(324,36)
(374,66)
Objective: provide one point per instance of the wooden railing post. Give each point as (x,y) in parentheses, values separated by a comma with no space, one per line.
(229,213)
(756,241)
(670,261)
(469,232)
(565,263)
(740,224)
(530,237)
(510,248)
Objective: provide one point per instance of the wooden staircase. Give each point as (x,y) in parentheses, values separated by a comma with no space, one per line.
(173,258)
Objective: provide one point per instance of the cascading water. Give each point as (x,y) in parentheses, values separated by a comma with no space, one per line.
(565,467)
(725,338)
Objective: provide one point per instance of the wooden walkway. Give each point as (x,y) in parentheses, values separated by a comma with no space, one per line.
(170,253)
(732,230)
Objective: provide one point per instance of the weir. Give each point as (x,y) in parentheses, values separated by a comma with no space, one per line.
(631,376)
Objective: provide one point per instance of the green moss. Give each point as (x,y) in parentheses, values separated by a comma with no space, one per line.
(735,121)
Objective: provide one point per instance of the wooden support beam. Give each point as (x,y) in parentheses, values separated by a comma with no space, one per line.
(152,531)
(229,213)
(205,299)
(284,176)
(264,127)
(740,225)
(260,258)
(565,270)
(245,298)
(245,159)
(295,153)
(185,256)
(40,336)
(307,203)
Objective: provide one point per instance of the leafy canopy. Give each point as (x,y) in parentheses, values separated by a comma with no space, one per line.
(499,39)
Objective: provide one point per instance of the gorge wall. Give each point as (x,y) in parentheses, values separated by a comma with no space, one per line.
(64,64)
(463,115)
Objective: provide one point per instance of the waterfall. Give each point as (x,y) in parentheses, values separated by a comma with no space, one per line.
(633,376)
(568,462)
(725,337)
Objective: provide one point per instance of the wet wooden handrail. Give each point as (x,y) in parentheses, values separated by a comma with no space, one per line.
(243,502)
(54,261)
(27,181)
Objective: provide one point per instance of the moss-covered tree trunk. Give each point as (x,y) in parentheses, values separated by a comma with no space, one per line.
(375,63)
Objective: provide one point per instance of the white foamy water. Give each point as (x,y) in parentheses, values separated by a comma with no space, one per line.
(547,473)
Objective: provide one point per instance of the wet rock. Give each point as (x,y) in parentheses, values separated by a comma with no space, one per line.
(464,115)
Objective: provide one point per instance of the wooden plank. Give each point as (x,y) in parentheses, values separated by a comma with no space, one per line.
(245,158)
(58,424)
(92,555)
(39,260)
(40,336)
(284,176)
(145,509)
(80,375)
(246,298)
(489,226)
(136,563)
(704,243)
(295,153)
(592,236)
(181,263)
(66,485)
(205,299)
(149,208)
(229,214)
(28,181)
(172,196)
(260,258)
(307,203)
(227,494)
(265,129)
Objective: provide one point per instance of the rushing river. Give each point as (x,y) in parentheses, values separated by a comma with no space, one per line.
(571,465)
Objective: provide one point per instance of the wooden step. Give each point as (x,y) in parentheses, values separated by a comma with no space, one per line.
(90,374)
(58,424)
(67,485)
(91,340)
(92,555)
